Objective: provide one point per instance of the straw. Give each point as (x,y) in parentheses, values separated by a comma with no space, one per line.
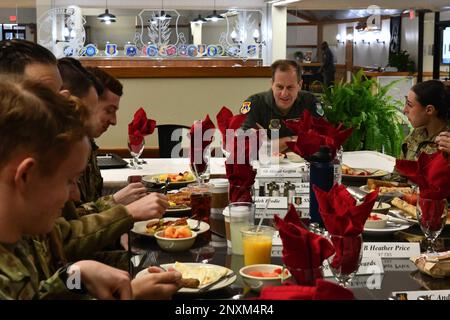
(263,215)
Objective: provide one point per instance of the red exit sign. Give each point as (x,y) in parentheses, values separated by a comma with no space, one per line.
(12,18)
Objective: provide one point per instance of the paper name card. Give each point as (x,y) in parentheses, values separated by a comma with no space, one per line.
(369,265)
(422,295)
(398,265)
(391,249)
(275,202)
(277,171)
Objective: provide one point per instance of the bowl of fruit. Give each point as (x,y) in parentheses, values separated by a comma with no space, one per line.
(258,276)
(175,238)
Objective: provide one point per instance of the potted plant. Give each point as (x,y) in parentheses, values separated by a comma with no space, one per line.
(402,61)
(364,105)
(298,55)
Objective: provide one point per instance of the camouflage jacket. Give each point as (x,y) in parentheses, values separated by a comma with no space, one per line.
(82,237)
(90,185)
(30,269)
(419,141)
(416,142)
(21,279)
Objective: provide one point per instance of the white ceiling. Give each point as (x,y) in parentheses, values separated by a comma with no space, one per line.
(363,4)
(227,4)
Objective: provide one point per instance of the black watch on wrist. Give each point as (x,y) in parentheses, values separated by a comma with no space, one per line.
(64,275)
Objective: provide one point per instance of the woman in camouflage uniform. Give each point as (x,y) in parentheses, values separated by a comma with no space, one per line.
(427,108)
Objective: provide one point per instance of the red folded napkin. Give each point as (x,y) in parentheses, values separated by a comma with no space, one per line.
(240,173)
(200,140)
(139,127)
(323,290)
(342,217)
(303,251)
(315,132)
(431,172)
(226,121)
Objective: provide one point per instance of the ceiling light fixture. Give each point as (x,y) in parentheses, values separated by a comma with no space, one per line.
(199,20)
(163,15)
(214,17)
(106,17)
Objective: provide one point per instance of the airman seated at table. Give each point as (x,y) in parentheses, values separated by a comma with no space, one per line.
(38,173)
(138,205)
(285,100)
(81,237)
(427,108)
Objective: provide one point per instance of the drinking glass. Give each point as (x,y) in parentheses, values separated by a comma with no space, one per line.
(136,148)
(201,170)
(257,244)
(348,253)
(200,195)
(432,215)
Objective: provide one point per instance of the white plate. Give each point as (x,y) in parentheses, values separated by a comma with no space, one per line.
(217,286)
(390,228)
(140,227)
(377,173)
(365,188)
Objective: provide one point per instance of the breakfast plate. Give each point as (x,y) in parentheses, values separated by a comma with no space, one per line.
(206,273)
(176,179)
(141,226)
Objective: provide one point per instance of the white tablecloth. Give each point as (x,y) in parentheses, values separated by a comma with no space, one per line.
(113,178)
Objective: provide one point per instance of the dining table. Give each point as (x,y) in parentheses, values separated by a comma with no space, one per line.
(399,274)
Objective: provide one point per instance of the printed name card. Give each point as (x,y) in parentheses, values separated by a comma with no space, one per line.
(277,171)
(369,265)
(275,202)
(422,295)
(391,249)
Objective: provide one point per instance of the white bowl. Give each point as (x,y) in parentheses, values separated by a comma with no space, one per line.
(257,283)
(384,207)
(376,224)
(175,244)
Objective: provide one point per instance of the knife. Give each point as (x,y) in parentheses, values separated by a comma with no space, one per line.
(224,277)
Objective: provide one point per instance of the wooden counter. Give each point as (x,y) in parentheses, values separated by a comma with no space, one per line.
(168,62)
(189,72)
(142,67)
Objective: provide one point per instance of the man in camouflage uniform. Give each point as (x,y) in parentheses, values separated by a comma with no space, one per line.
(109,216)
(76,239)
(285,100)
(33,189)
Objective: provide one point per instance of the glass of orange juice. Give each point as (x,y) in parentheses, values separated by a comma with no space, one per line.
(257,243)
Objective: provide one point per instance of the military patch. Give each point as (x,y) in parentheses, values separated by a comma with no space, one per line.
(319,109)
(275,124)
(245,107)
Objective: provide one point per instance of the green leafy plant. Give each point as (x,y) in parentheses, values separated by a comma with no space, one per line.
(402,61)
(365,106)
(298,55)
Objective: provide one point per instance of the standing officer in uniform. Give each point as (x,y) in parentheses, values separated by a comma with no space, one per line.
(283,101)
